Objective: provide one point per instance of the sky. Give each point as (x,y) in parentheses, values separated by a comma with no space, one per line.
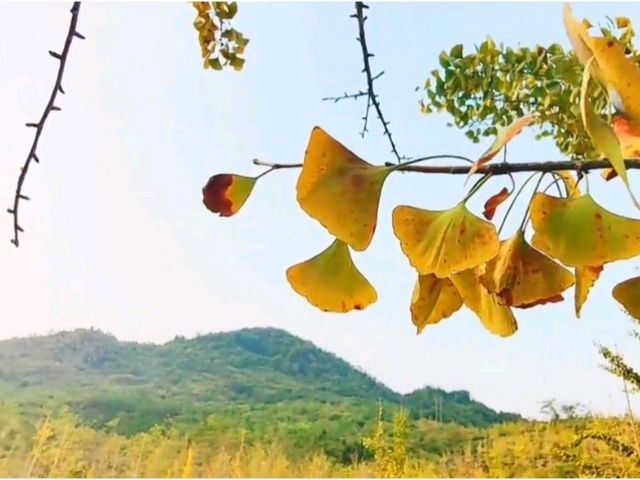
(116,236)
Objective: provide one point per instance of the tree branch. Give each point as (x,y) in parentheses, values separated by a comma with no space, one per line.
(369,93)
(492,169)
(50,107)
(504,168)
(373,98)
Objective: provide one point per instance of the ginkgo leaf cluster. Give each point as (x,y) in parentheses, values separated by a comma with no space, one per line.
(220,43)
(460,260)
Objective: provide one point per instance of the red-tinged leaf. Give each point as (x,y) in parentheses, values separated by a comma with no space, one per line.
(586,276)
(628,134)
(629,137)
(609,174)
(501,140)
(225,193)
(602,134)
(494,202)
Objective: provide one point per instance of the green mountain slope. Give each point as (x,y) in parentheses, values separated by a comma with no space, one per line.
(264,381)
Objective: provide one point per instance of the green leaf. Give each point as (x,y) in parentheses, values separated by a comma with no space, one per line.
(456,51)
(215,64)
(444,59)
(237,63)
(233,9)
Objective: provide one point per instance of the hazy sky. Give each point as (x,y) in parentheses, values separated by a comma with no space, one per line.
(116,236)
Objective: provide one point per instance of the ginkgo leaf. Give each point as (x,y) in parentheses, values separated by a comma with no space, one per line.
(575,31)
(618,71)
(628,134)
(340,190)
(579,232)
(331,281)
(494,202)
(433,300)
(629,137)
(504,137)
(586,276)
(496,318)
(601,133)
(444,241)
(628,294)
(570,183)
(521,276)
(225,193)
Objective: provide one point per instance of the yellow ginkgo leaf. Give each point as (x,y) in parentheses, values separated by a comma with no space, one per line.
(575,31)
(579,232)
(586,276)
(496,318)
(602,134)
(340,190)
(504,136)
(570,183)
(331,281)
(521,276)
(226,193)
(433,300)
(628,294)
(618,71)
(444,241)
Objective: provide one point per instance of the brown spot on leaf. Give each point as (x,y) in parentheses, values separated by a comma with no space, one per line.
(554,299)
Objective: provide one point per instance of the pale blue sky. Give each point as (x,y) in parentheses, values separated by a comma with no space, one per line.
(117,238)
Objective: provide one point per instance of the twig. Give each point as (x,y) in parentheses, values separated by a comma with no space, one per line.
(354,96)
(50,107)
(370,78)
(345,96)
(492,169)
(366,118)
(369,93)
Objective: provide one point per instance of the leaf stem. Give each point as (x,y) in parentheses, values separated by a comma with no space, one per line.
(525,220)
(513,202)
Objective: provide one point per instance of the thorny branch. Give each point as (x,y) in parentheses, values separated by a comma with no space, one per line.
(39,126)
(355,96)
(373,98)
(369,93)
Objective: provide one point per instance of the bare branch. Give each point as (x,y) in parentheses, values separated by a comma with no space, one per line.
(369,93)
(345,96)
(57,87)
(370,78)
(502,168)
(508,168)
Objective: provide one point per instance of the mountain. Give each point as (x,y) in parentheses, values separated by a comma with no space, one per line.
(262,380)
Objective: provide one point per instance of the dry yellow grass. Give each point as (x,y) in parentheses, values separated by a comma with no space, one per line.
(62,447)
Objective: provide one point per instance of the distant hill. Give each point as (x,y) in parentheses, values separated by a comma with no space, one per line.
(263,380)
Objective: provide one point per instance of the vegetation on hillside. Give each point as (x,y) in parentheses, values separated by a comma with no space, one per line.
(340,435)
(264,382)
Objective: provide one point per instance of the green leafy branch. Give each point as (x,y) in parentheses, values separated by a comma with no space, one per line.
(494,85)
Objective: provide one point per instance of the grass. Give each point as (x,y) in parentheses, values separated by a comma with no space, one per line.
(62,446)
